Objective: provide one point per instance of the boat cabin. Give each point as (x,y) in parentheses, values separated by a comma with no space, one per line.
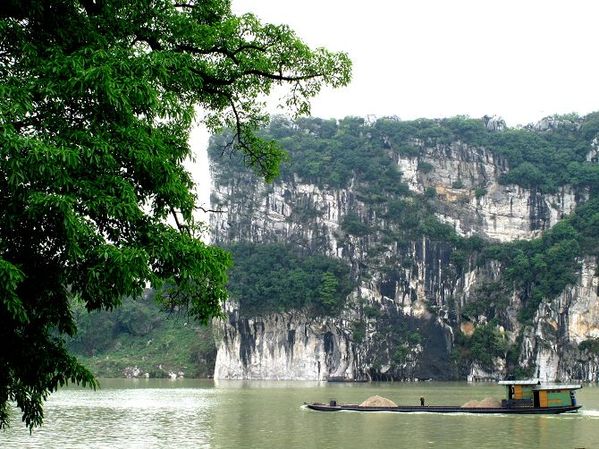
(531,393)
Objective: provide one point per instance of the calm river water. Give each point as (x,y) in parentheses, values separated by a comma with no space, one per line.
(228,414)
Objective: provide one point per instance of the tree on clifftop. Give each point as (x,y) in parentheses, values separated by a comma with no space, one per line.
(97,99)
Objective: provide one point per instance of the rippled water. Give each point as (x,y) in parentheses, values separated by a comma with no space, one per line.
(203,414)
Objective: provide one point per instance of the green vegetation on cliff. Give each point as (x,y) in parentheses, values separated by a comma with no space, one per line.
(482,347)
(276,278)
(539,159)
(542,267)
(332,154)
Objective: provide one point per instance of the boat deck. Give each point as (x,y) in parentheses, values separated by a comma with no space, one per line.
(443,409)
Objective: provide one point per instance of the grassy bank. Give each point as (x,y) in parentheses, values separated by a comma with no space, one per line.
(141,335)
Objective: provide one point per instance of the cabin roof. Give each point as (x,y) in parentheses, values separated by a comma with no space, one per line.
(519,382)
(536,385)
(557,387)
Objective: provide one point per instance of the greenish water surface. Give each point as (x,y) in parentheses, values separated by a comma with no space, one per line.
(258,414)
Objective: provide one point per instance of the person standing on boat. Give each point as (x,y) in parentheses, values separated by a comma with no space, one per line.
(421,401)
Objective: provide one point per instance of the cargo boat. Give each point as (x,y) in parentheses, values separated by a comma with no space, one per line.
(523,398)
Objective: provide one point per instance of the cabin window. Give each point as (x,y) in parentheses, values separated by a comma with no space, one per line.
(517,392)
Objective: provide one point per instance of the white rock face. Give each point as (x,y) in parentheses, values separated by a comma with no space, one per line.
(494,123)
(560,325)
(582,304)
(466,179)
(272,212)
(287,346)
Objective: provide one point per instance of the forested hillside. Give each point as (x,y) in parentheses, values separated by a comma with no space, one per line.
(141,339)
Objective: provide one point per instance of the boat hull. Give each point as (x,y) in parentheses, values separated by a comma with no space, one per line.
(444,409)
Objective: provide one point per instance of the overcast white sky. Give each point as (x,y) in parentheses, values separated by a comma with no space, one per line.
(520,59)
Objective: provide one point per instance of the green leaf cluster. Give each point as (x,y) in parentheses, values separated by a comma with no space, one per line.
(590,345)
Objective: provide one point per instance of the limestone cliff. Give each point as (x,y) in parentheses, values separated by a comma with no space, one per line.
(499,212)
(415,294)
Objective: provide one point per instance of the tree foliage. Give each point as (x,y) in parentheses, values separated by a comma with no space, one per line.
(276,278)
(97,98)
(143,334)
(485,344)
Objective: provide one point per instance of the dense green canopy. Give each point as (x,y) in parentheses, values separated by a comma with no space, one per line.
(97,98)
